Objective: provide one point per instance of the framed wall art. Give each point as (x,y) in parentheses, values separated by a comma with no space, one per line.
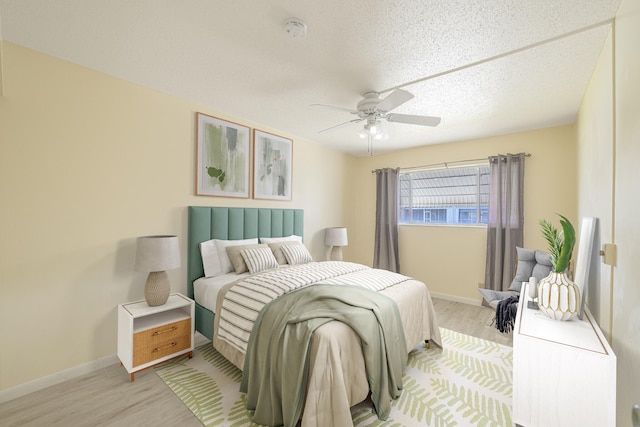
(272,166)
(223,155)
(586,256)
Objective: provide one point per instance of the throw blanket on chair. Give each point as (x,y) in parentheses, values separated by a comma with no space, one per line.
(277,360)
(506,313)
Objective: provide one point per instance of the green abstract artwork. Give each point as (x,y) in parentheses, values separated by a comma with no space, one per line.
(273,163)
(222,158)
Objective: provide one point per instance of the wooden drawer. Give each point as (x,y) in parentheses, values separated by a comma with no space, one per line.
(162,341)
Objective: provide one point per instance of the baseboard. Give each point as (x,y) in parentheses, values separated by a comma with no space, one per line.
(57,378)
(68,374)
(456,298)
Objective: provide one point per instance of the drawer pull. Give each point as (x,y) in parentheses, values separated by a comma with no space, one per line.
(157,349)
(171,329)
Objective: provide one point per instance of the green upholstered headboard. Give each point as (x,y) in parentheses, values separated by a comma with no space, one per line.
(206,223)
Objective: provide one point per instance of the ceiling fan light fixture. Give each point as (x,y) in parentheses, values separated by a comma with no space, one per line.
(373,128)
(374,111)
(381,136)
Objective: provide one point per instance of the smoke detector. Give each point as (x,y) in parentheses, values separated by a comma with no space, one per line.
(295,28)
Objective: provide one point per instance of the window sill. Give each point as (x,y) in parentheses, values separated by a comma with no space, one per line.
(484,226)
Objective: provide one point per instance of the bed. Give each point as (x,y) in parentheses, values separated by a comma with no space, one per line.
(337,379)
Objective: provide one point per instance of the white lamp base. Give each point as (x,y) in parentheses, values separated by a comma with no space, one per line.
(336,253)
(157,288)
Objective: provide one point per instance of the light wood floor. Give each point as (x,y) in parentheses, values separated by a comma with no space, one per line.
(107,398)
(468,319)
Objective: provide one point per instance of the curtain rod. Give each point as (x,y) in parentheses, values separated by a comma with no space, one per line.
(446,164)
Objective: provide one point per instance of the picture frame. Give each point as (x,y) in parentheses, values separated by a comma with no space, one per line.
(586,253)
(272,166)
(223,157)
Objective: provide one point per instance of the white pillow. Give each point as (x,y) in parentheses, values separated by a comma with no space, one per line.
(292,238)
(296,254)
(215,260)
(210,260)
(225,261)
(259,259)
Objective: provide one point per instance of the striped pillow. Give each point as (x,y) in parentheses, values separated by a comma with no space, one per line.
(296,254)
(236,259)
(259,259)
(277,250)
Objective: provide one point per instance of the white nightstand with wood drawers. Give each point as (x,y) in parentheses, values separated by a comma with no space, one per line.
(149,335)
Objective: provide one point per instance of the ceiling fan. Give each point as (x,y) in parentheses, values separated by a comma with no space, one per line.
(372,109)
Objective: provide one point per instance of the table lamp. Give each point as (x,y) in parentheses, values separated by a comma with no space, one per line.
(336,237)
(156,254)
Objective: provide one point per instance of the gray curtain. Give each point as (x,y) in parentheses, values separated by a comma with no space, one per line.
(385,253)
(506,217)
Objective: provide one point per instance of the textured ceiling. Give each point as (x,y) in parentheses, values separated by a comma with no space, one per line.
(487,67)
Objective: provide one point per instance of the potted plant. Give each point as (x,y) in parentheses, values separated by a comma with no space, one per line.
(558,296)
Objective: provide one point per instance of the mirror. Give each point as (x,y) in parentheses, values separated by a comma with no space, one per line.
(583,263)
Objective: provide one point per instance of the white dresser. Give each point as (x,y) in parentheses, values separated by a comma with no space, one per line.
(564,373)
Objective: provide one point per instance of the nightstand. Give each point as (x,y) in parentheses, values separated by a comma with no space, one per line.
(149,335)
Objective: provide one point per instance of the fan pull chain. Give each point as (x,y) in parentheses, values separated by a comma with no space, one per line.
(370,145)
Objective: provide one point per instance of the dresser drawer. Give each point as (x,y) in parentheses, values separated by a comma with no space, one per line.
(162,341)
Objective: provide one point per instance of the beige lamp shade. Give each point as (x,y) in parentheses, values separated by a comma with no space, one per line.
(336,237)
(156,254)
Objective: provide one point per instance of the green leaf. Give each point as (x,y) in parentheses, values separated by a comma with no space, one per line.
(560,243)
(567,248)
(214,172)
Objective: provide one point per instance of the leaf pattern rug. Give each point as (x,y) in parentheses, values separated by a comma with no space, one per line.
(466,383)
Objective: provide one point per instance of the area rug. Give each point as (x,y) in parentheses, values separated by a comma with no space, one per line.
(466,383)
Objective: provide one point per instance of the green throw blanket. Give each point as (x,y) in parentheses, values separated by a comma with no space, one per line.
(277,359)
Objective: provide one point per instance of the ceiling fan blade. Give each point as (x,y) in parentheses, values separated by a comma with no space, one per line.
(394,99)
(413,120)
(341,124)
(334,108)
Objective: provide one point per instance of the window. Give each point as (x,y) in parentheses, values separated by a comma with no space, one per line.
(445,196)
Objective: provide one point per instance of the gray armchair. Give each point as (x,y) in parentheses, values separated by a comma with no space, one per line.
(531,263)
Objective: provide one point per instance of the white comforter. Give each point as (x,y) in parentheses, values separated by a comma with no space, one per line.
(337,378)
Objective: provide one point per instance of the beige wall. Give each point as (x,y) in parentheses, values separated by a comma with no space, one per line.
(608,148)
(595,178)
(1,67)
(451,259)
(626,287)
(87,163)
